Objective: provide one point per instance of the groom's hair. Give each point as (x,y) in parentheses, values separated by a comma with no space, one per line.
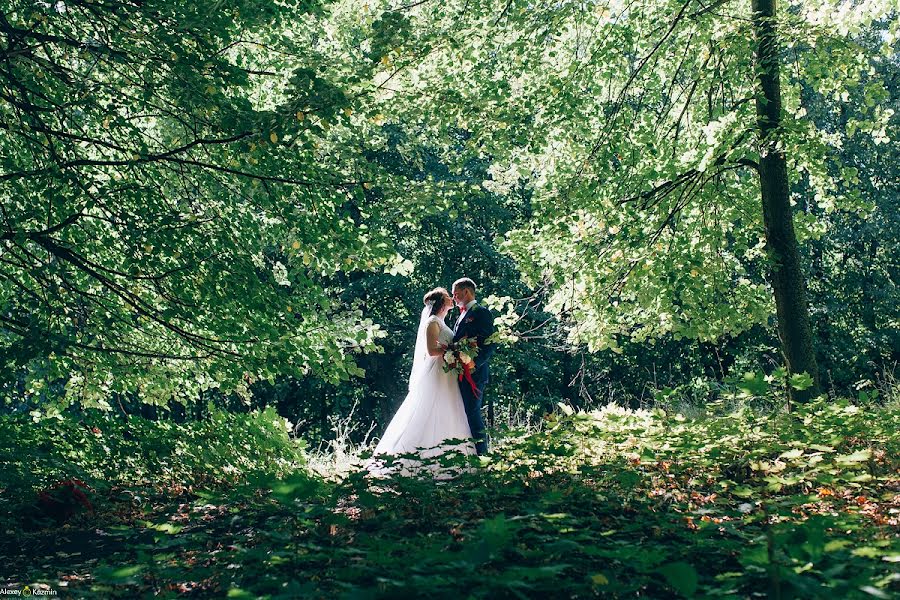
(464,283)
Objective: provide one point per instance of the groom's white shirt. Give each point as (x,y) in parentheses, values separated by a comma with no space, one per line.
(459,318)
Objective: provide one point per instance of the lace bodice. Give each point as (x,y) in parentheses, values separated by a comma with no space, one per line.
(445,335)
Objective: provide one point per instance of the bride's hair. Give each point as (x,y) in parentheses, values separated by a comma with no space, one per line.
(436,297)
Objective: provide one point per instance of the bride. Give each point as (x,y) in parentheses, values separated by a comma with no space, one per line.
(432,419)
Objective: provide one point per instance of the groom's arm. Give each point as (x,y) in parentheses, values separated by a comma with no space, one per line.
(484,328)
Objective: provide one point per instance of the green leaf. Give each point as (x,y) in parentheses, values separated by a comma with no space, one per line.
(801,381)
(821,448)
(792,454)
(875,592)
(119,574)
(853,458)
(681,576)
(753,384)
(742,492)
(835,545)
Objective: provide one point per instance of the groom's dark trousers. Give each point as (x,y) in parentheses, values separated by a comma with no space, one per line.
(478,323)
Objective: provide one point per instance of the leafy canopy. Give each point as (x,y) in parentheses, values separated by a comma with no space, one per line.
(634,128)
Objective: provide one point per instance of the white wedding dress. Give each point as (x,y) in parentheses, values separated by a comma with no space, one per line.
(432,419)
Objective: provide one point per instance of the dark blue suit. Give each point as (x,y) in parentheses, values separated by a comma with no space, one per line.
(478,323)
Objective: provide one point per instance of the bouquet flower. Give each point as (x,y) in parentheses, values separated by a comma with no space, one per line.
(460,359)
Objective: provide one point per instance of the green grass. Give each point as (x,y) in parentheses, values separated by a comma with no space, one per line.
(613,503)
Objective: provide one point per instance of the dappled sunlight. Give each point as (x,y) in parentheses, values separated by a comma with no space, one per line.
(617,501)
(672,228)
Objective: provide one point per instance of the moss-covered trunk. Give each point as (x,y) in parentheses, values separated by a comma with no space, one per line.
(785,272)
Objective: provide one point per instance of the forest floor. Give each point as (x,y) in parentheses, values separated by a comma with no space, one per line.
(612,503)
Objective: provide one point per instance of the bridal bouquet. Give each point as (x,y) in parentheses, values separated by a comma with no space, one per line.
(460,359)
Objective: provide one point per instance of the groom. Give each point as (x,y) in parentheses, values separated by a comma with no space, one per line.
(476,322)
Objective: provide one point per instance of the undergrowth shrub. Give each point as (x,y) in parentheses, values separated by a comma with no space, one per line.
(104,450)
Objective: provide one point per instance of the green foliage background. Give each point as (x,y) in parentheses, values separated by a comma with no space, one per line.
(243,202)
(218,222)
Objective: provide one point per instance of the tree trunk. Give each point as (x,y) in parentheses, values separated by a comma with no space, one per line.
(785,272)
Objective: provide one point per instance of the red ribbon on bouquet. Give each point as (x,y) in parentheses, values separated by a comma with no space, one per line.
(467,373)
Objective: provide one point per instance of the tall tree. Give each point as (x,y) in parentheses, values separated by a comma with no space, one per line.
(785,271)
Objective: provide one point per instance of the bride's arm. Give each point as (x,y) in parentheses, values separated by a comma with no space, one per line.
(431,335)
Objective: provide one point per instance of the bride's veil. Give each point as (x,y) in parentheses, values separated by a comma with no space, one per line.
(421,352)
